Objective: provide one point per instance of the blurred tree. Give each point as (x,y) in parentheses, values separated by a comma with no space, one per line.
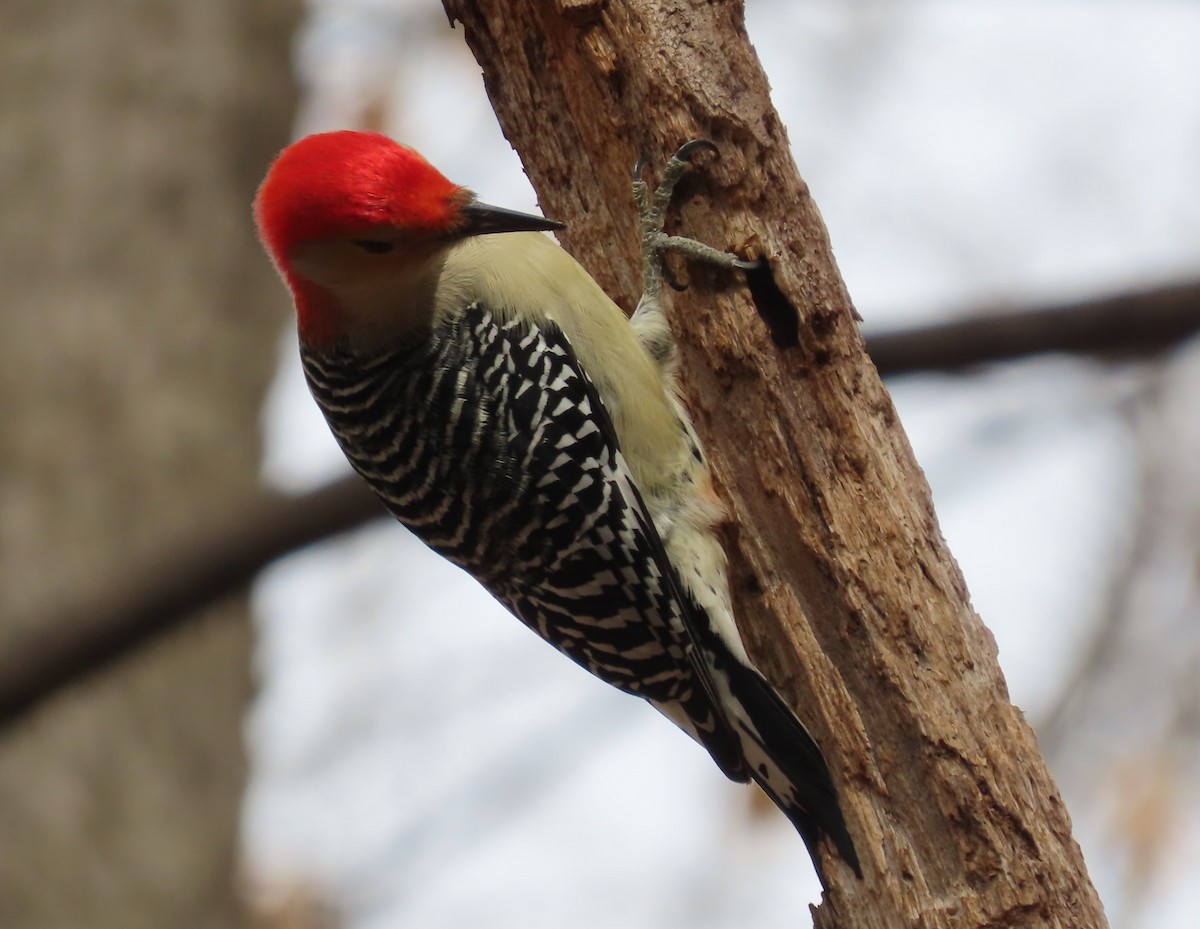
(140,320)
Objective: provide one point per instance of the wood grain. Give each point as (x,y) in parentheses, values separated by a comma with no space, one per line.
(843,583)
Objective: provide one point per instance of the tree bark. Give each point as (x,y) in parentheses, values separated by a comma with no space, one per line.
(843,584)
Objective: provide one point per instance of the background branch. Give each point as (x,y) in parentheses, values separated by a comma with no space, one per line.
(1128,325)
(191,575)
(171,589)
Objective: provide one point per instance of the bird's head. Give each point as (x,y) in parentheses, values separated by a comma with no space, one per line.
(358,225)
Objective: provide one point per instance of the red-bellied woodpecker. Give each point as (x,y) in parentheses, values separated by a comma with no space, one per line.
(506,411)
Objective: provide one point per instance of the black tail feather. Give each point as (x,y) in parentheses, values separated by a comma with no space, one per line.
(815,812)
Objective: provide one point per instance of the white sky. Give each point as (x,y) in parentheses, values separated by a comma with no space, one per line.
(422,760)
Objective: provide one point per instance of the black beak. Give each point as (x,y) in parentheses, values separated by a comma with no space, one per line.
(482,219)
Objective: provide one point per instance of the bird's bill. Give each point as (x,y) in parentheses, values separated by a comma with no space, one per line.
(484,219)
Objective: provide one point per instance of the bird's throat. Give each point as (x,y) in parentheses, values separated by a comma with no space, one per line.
(319,319)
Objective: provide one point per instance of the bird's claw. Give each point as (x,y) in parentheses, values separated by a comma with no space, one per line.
(652,209)
(688,149)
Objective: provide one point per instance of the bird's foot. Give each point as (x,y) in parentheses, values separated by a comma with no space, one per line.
(652,208)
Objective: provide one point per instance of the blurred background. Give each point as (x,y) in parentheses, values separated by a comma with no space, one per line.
(366,740)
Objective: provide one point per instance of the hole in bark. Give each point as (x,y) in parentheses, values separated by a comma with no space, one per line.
(781,317)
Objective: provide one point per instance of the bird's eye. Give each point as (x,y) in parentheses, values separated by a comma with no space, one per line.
(374,246)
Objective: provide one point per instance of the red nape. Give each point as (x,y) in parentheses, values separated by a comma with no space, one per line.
(344,183)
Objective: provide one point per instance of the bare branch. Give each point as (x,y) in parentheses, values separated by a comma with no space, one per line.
(1133,324)
(163,594)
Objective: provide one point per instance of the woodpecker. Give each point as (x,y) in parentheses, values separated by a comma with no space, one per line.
(506,411)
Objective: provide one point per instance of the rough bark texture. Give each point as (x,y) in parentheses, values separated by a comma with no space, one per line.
(139,323)
(844,585)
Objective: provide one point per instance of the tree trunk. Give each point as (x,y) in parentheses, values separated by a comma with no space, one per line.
(843,584)
(139,326)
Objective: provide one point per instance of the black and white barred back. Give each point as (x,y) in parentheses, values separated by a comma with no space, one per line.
(487,440)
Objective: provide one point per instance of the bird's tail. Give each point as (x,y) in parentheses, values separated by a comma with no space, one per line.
(787,764)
